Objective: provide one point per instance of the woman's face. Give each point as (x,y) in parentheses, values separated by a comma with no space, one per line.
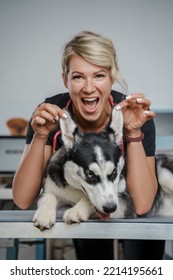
(89,87)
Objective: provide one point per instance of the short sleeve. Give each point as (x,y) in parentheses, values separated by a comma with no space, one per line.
(149,141)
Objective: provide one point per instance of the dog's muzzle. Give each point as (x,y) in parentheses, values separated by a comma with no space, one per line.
(107,210)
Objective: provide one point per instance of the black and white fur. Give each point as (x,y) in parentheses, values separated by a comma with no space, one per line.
(89,173)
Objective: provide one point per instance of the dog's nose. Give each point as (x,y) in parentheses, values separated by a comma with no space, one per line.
(109,208)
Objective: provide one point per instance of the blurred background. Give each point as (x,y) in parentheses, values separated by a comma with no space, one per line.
(33,34)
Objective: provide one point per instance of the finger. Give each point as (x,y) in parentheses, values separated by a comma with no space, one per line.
(61,114)
(50,111)
(47,116)
(134,100)
(38,121)
(42,114)
(144,102)
(150,114)
(134,96)
(55,111)
(128,102)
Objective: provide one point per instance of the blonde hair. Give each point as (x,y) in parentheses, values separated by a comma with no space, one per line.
(94,48)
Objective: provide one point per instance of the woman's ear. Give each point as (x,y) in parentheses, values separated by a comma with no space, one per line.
(64,77)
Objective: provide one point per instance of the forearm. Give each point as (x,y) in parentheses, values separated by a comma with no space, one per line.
(141,179)
(28,178)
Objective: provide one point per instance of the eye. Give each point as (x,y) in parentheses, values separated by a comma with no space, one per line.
(91,178)
(100,76)
(113,175)
(77,77)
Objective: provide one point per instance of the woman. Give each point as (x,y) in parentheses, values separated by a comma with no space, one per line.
(89,71)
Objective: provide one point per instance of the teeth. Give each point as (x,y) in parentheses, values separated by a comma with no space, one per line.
(90,99)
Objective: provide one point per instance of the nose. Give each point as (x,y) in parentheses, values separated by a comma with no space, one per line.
(89,86)
(110,208)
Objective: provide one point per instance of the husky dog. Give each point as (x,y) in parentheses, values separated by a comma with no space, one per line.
(89,173)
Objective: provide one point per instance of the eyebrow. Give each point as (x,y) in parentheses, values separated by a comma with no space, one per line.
(77,72)
(102,70)
(97,72)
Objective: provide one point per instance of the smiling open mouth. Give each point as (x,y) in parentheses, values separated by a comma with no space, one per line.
(90,103)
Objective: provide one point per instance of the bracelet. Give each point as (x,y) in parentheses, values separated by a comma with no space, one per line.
(134,139)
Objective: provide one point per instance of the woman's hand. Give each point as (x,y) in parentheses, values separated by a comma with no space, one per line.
(45,119)
(136,112)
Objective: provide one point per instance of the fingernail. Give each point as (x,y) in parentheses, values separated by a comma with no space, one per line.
(139,100)
(146,112)
(57,118)
(118,107)
(128,97)
(64,116)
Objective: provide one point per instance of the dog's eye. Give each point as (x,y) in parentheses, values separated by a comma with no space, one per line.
(113,175)
(91,178)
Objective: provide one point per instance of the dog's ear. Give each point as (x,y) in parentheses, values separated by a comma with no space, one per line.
(116,125)
(69,130)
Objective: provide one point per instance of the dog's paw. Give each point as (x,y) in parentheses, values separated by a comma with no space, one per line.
(75,215)
(44,219)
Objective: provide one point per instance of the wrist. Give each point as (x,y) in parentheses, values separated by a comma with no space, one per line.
(40,137)
(129,139)
(133,133)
